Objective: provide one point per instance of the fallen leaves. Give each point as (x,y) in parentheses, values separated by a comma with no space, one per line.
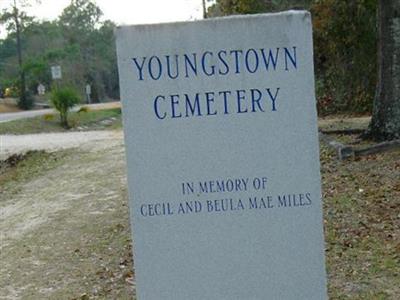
(362,225)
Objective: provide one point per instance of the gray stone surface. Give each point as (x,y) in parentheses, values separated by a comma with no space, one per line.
(223,164)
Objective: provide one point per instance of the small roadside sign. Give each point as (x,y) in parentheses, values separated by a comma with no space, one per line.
(56,72)
(88,89)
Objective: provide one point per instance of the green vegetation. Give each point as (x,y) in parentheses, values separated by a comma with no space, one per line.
(71,230)
(78,41)
(345,42)
(361,210)
(345,47)
(22,168)
(63,100)
(356,50)
(91,120)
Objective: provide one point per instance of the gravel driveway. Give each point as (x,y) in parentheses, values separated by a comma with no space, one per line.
(17,144)
(64,231)
(6,117)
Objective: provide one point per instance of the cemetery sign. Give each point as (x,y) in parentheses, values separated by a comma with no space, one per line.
(223,162)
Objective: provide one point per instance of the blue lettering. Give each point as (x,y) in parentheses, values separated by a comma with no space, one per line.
(189,207)
(192,108)
(220,186)
(225,93)
(236,53)
(229,185)
(273,98)
(270,59)
(203,187)
(192,65)
(210,206)
(143,212)
(210,101)
(308,197)
(140,67)
(292,58)
(169,67)
(203,64)
(174,104)
(151,67)
(255,99)
(240,96)
(156,111)
(221,59)
(255,59)
(253,203)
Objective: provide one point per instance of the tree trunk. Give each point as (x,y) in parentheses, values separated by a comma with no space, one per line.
(23,101)
(64,119)
(204,10)
(385,123)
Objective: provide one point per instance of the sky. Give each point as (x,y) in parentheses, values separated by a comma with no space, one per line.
(122,12)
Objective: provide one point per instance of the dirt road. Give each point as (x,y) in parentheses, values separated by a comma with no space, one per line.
(5,117)
(64,232)
(64,229)
(16,144)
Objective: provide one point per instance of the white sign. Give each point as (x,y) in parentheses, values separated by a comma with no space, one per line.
(88,89)
(41,89)
(56,72)
(223,163)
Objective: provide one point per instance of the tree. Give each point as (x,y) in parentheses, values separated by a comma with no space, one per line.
(15,20)
(385,122)
(63,100)
(81,16)
(204,9)
(8,61)
(78,41)
(94,42)
(345,43)
(233,7)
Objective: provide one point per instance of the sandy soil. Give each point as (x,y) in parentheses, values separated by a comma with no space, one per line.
(65,234)
(8,108)
(10,115)
(73,219)
(17,144)
(334,122)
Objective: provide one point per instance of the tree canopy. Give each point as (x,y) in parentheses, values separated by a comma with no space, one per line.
(78,40)
(345,46)
(82,43)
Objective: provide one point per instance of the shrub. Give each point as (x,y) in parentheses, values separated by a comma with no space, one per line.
(26,101)
(83,109)
(48,117)
(345,41)
(63,99)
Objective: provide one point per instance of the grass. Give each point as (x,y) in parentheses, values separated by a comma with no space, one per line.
(343,122)
(80,247)
(361,211)
(90,120)
(21,168)
(361,199)
(336,123)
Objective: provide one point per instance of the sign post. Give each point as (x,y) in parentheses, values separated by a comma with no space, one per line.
(88,91)
(56,72)
(56,75)
(223,163)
